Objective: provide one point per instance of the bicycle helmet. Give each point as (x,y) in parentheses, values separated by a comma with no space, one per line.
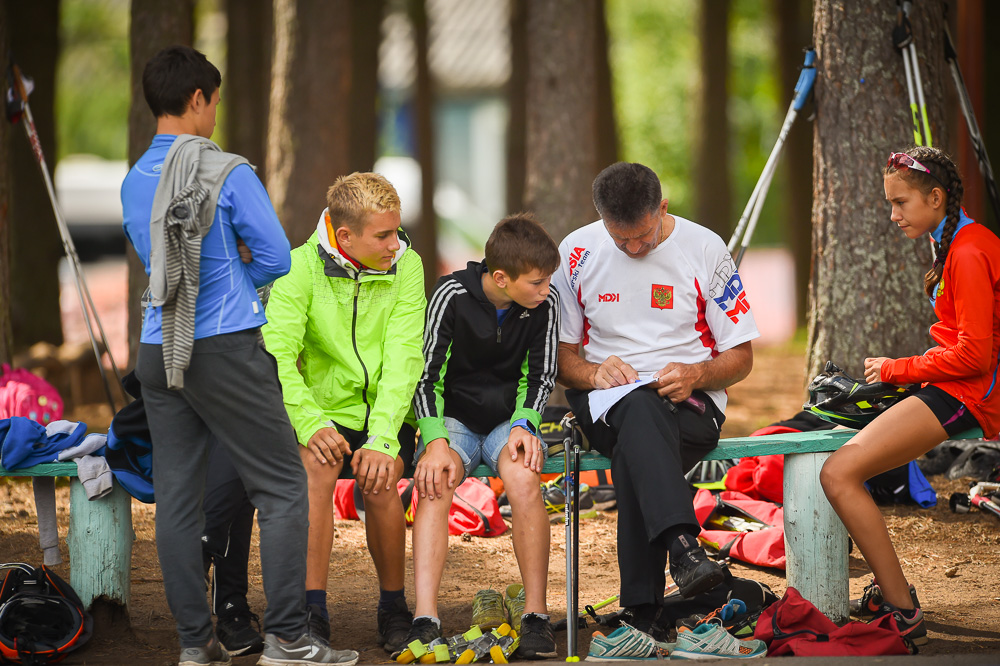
(836,397)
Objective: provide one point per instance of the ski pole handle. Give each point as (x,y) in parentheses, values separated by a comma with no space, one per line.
(807,77)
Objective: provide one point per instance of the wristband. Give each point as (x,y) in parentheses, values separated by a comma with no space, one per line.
(526,424)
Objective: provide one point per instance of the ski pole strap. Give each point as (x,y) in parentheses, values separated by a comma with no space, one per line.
(807,77)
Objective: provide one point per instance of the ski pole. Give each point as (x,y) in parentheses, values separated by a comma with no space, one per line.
(970,120)
(17,105)
(902,37)
(748,220)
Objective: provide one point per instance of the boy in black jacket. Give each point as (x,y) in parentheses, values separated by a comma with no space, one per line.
(490,348)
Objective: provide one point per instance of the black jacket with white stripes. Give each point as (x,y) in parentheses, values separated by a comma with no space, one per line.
(477,371)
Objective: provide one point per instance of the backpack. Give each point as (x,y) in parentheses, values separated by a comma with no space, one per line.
(41,617)
(23,393)
(474,510)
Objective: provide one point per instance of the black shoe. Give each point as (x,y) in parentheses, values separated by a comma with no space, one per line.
(694,573)
(319,626)
(235,631)
(394,625)
(646,618)
(423,630)
(871,601)
(538,641)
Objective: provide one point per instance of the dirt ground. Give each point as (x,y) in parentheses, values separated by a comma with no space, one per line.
(951,558)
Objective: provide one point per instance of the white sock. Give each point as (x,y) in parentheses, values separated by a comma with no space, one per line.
(433,619)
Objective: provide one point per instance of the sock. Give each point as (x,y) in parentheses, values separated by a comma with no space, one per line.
(433,619)
(544,616)
(908,614)
(682,543)
(387,597)
(318,598)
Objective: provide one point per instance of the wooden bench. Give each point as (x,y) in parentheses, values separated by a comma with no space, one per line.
(816,542)
(100,537)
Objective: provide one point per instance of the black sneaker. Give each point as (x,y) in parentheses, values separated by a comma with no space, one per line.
(394,625)
(235,631)
(910,622)
(538,641)
(694,573)
(871,600)
(423,630)
(319,626)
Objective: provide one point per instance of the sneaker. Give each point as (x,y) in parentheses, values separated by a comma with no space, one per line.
(394,624)
(646,618)
(212,654)
(306,650)
(513,601)
(911,628)
(234,629)
(694,573)
(538,640)
(319,626)
(871,599)
(626,643)
(711,641)
(423,631)
(554,497)
(488,610)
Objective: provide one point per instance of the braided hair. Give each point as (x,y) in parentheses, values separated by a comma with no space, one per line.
(944,172)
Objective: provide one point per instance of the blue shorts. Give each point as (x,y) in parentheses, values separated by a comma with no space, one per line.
(472,447)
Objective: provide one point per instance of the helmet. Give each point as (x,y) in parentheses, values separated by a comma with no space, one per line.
(838,398)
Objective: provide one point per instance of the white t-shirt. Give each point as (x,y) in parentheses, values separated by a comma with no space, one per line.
(682,302)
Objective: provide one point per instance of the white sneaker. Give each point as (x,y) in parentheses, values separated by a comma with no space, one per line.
(305,651)
(710,641)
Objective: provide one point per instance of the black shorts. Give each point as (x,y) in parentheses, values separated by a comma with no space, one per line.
(407,439)
(951,413)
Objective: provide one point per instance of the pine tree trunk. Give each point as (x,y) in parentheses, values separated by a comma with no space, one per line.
(604,101)
(866,288)
(517,100)
(425,234)
(713,178)
(6,351)
(155,25)
(248,79)
(35,244)
(561,115)
(794,20)
(308,130)
(366,33)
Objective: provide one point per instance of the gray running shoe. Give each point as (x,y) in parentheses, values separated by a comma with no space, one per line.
(305,651)
(210,655)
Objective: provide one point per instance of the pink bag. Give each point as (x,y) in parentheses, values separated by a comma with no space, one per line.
(25,394)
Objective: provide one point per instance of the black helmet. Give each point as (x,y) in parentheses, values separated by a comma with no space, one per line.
(838,398)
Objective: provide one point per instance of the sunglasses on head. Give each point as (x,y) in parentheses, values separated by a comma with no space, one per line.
(904,161)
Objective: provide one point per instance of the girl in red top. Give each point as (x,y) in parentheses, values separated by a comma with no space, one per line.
(958,376)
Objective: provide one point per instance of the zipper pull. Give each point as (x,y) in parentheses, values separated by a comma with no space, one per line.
(498,334)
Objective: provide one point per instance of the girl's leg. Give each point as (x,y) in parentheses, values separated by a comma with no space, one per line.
(901,434)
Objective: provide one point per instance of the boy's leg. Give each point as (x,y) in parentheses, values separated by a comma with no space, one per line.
(322,480)
(430,525)
(233,383)
(531,521)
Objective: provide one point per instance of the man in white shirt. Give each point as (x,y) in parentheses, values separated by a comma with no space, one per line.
(651,294)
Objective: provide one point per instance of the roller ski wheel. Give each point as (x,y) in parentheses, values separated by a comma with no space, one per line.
(480,647)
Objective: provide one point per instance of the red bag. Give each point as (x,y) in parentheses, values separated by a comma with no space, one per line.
(737,526)
(23,393)
(759,477)
(795,626)
(474,510)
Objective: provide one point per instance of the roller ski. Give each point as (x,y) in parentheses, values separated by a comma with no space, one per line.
(440,650)
(499,644)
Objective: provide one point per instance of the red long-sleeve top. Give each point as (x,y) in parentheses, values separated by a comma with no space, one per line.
(964,364)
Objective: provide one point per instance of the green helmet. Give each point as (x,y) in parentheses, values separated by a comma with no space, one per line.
(838,398)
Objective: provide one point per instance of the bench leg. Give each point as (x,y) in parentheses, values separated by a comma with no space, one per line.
(815,539)
(100,545)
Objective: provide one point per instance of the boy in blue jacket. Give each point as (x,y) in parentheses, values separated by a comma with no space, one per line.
(490,347)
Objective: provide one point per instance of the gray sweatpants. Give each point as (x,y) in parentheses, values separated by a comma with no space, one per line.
(231,390)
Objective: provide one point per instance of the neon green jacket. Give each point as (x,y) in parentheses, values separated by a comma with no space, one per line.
(347,343)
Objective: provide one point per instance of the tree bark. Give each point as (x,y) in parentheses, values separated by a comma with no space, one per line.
(604,102)
(6,342)
(248,79)
(866,289)
(561,118)
(713,178)
(155,25)
(794,21)
(366,33)
(517,100)
(425,236)
(309,124)
(35,244)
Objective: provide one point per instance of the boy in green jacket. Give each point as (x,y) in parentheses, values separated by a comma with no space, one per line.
(490,349)
(345,326)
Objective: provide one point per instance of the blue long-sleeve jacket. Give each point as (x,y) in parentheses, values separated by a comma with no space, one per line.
(227,297)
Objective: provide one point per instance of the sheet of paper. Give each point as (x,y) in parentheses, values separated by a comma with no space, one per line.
(601,400)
